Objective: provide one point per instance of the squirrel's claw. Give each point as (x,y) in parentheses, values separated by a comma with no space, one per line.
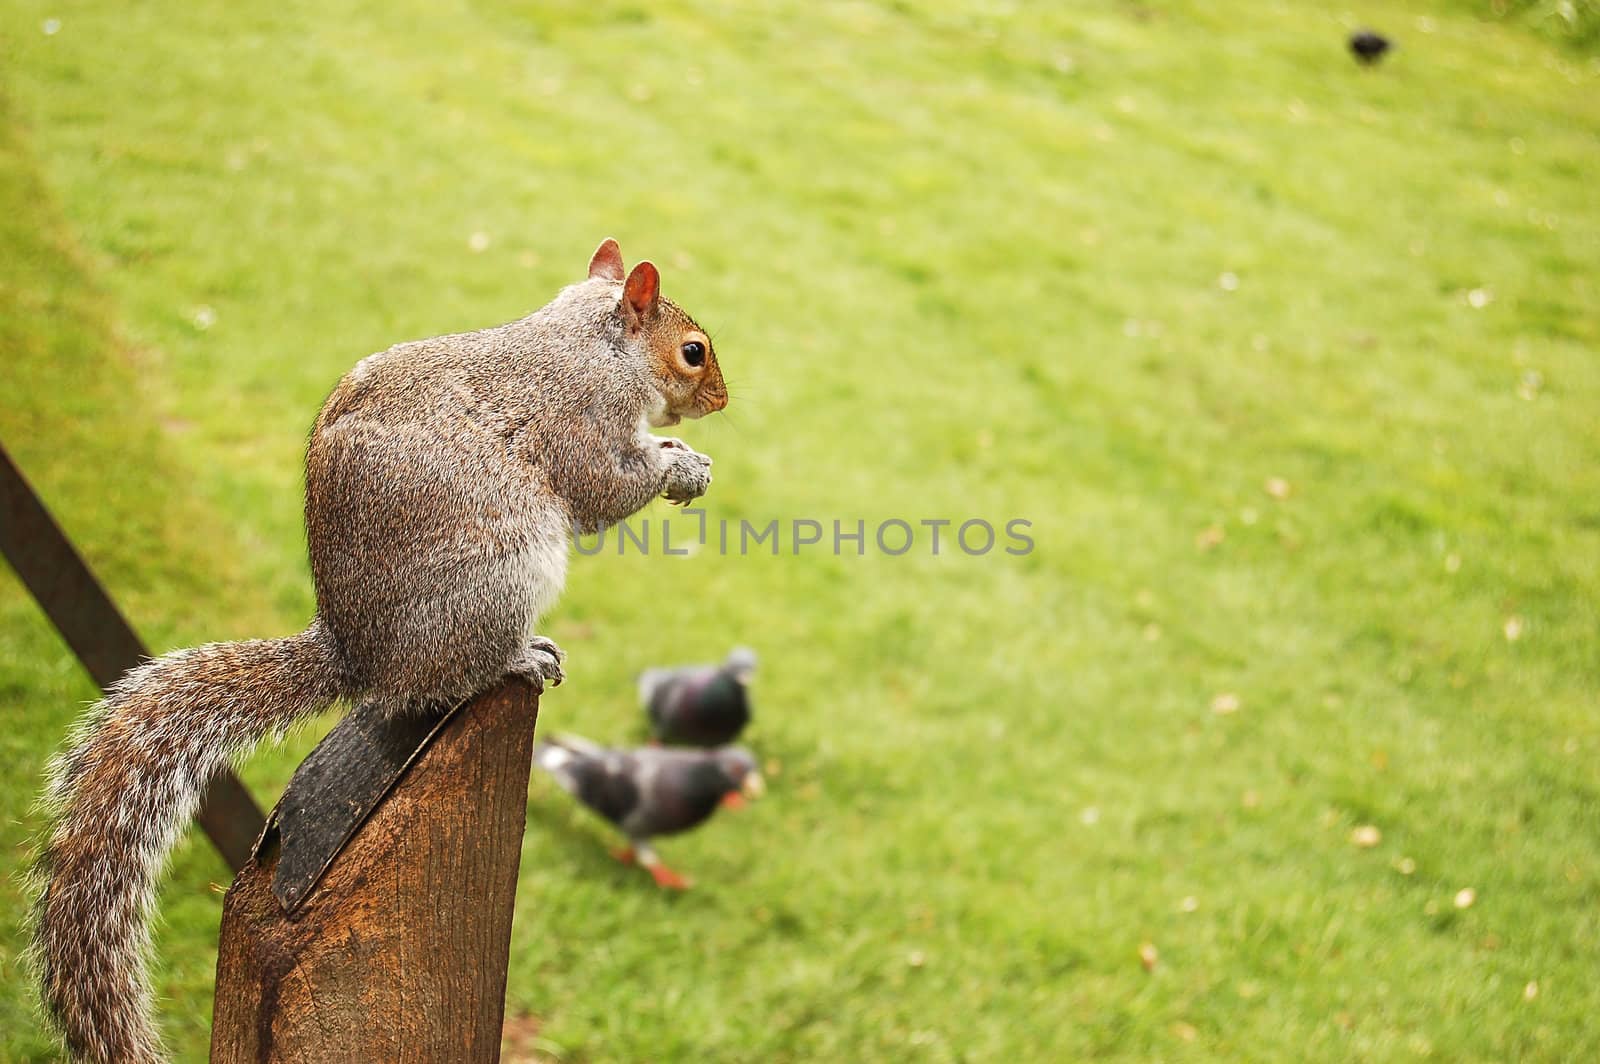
(548,645)
(539,664)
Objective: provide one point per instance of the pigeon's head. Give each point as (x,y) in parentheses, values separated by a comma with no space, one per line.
(741,664)
(739,765)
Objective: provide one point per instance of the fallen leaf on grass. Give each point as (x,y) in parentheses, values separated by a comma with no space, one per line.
(1148,956)
(1225,703)
(1366,836)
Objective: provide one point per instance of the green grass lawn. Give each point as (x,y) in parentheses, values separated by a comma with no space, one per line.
(1292,365)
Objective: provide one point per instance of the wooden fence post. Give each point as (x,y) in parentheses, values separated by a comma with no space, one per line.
(397,951)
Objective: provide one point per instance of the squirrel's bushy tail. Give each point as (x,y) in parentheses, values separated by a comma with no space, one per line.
(121,794)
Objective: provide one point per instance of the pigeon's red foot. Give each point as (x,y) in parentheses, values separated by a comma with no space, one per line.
(624,854)
(667,879)
(734,800)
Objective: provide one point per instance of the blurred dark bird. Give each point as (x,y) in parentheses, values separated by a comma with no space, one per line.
(650,791)
(1368,46)
(699,705)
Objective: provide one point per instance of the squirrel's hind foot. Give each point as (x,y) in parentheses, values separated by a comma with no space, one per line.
(539,664)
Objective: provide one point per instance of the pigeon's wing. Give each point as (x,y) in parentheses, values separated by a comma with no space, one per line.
(600,778)
(710,708)
(673,695)
(662,692)
(609,789)
(678,790)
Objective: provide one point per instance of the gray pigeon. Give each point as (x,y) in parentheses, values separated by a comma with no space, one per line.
(699,705)
(650,791)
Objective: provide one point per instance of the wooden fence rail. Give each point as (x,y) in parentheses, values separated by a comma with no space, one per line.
(95,630)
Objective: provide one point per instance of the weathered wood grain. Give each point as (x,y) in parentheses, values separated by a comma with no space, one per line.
(399,954)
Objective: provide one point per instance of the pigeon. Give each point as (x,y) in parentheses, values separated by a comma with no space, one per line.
(699,705)
(650,791)
(1368,46)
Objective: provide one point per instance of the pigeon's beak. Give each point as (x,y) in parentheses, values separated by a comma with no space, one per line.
(754,786)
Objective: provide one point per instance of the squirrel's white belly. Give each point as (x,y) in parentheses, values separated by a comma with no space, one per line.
(539,570)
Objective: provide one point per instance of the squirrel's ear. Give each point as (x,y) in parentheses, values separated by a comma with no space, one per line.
(640,294)
(607,261)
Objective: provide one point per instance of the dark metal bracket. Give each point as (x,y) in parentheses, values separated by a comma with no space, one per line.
(336,788)
(95,630)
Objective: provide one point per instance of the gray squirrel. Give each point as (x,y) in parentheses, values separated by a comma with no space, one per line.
(444,479)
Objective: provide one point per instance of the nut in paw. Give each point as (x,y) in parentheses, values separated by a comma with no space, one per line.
(688,476)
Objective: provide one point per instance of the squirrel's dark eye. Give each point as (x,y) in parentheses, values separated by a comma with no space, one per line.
(694,353)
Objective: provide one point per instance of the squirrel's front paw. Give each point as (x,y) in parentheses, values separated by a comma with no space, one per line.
(539,664)
(688,474)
